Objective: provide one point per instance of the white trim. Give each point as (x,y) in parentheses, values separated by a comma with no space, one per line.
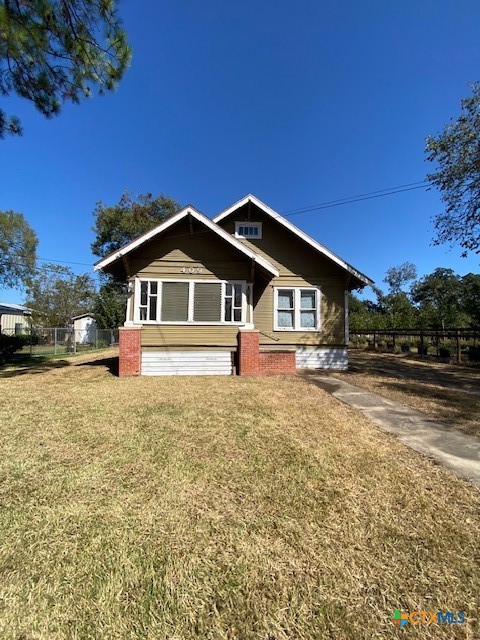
(247,223)
(347,320)
(335,358)
(190,321)
(101,264)
(298,232)
(296,309)
(188,363)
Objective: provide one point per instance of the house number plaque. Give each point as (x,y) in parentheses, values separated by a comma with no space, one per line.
(191,270)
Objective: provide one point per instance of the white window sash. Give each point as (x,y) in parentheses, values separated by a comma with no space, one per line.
(190,315)
(297,292)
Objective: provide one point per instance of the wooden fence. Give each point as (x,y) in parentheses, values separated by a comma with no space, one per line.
(424,337)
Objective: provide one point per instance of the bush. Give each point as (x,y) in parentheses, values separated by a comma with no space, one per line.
(405,347)
(444,352)
(9,345)
(474,354)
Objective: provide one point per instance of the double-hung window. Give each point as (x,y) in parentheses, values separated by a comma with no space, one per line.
(297,309)
(190,302)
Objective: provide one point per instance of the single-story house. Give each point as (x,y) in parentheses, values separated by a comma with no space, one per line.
(85,327)
(14,318)
(246,292)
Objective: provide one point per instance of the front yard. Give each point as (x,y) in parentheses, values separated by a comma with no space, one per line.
(215,508)
(448,393)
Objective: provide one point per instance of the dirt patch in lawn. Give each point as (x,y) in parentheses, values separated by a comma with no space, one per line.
(448,393)
(219,507)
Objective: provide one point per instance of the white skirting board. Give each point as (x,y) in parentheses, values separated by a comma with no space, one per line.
(187,363)
(322,358)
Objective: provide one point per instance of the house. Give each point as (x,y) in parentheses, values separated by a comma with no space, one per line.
(246,292)
(14,318)
(85,327)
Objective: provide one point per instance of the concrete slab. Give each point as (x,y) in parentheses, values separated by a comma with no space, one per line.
(458,451)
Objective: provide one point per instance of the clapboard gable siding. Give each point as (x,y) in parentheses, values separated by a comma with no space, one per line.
(299,266)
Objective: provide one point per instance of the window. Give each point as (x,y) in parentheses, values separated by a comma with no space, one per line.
(190,302)
(148,300)
(297,309)
(233,302)
(250,230)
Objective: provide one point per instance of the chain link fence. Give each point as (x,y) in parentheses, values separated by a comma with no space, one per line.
(49,341)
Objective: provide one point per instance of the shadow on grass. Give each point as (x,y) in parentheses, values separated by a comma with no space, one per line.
(453,407)
(31,366)
(448,376)
(111,364)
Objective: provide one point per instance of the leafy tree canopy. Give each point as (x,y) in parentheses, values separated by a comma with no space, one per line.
(110,304)
(55,294)
(18,246)
(438,296)
(121,223)
(52,51)
(398,277)
(456,153)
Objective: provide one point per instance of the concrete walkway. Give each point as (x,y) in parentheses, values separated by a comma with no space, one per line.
(454,449)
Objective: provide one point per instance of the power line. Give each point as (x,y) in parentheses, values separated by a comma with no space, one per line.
(412,186)
(358,198)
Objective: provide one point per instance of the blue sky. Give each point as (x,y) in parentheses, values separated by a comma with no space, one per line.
(297,102)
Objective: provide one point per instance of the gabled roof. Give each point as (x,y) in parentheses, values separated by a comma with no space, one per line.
(295,230)
(187,211)
(84,315)
(10,308)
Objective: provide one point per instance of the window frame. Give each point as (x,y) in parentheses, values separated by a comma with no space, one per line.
(191,288)
(246,223)
(297,309)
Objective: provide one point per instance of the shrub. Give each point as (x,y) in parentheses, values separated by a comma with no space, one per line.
(9,345)
(405,347)
(444,352)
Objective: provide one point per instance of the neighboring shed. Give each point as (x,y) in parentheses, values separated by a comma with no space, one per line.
(14,318)
(85,327)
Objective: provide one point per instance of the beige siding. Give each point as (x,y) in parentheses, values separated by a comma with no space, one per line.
(332,316)
(189,335)
(170,255)
(8,322)
(299,265)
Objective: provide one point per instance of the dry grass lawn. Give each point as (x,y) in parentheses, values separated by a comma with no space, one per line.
(219,508)
(446,392)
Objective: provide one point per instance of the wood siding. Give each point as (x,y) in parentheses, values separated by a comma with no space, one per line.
(190,252)
(299,265)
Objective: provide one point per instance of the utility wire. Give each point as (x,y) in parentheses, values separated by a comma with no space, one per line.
(412,186)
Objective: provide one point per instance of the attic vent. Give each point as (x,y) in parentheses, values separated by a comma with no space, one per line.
(251,230)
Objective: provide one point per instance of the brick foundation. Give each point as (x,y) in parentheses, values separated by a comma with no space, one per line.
(248,353)
(277,362)
(253,362)
(130,351)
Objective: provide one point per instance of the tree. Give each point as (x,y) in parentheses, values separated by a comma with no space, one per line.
(121,223)
(55,295)
(110,303)
(397,277)
(53,51)
(438,295)
(470,298)
(456,152)
(18,246)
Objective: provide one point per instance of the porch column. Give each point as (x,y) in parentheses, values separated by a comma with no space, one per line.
(248,352)
(130,351)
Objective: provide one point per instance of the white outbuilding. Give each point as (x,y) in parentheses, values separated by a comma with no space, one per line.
(85,327)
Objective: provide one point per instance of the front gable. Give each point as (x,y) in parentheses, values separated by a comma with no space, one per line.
(286,246)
